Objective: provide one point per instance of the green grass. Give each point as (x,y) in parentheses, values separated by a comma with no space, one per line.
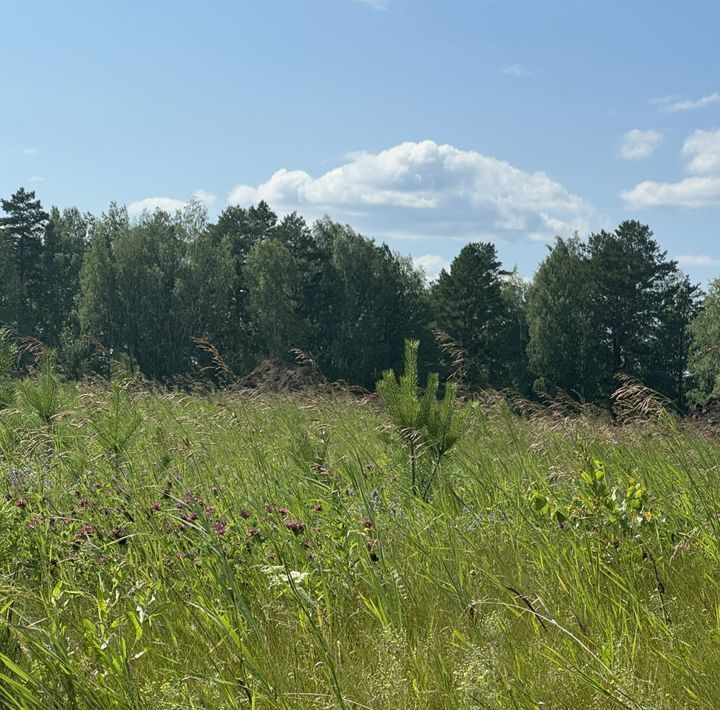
(131,579)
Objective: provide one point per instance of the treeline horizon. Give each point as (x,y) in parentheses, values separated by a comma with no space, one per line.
(149,290)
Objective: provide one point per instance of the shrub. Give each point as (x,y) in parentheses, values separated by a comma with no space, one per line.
(428,427)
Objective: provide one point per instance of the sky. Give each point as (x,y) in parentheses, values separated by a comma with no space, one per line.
(424,124)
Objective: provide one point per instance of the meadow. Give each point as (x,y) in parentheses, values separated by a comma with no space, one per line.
(222,550)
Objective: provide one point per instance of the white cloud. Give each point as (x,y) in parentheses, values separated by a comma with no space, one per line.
(204,196)
(36,178)
(517,70)
(30,151)
(431,264)
(168,204)
(150,204)
(697,260)
(378,5)
(673,104)
(637,144)
(702,150)
(426,190)
(692,192)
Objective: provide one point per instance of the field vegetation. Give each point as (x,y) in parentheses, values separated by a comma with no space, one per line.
(173,550)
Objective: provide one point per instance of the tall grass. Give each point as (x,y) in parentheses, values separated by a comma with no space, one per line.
(175,551)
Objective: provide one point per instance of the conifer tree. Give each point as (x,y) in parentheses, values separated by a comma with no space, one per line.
(22,227)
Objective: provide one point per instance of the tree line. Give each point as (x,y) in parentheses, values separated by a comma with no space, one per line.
(148,289)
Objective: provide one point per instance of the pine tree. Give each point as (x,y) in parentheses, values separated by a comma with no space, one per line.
(10,292)
(558,312)
(468,304)
(630,276)
(704,356)
(23,227)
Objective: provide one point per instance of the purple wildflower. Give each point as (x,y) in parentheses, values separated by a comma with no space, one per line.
(295,526)
(37,520)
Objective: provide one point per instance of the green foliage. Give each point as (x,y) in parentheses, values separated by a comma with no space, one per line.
(559,348)
(704,359)
(361,302)
(22,228)
(478,312)
(118,423)
(630,278)
(62,255)
(10,290)
(426,425)
(614,306)
(43,394)
(251,285)
(8,362)
(597,506)
(273,281)
(232,552)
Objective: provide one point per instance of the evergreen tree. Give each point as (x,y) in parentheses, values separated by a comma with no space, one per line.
(630,276)
(558,312)
(10,291)
(468,304)
(515,335)
(668,369)
(704,356)
(22,228)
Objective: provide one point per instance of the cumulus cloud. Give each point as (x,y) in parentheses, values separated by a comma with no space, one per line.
(693,192)
(426,189)
(168,204)
(697,260)
(204,196)
(673,104)
(637,144)
(150,204)
(701,189)
(702,149)
(431,264)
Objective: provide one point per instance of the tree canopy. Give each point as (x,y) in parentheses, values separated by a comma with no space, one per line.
(256,285)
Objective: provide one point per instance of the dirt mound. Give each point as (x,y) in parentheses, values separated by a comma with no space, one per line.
(707,414)
(276,375)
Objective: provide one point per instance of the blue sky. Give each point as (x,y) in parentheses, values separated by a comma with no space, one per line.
(425,124)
